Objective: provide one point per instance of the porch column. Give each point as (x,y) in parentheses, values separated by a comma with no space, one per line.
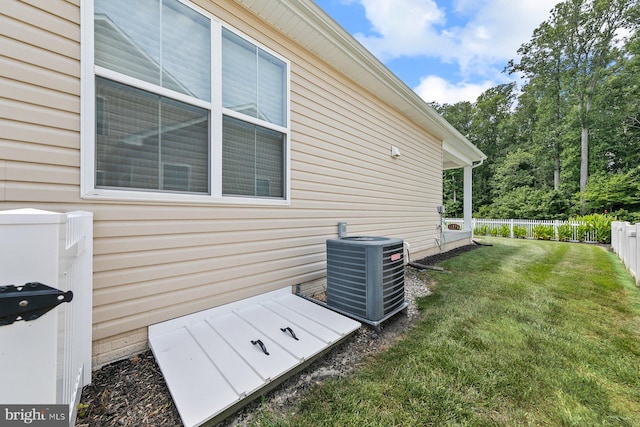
(467,209)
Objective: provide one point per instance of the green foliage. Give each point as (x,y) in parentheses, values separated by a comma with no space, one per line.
(492,131)
(581,94)
(584,232)
(504,341)
(609,192)
(624,215)
(602,225)
(481,230)
(598,226)
(493,231)
(527,203)
(517,170)
(565,232)
(453,208)
(518,203)
(505,231)
(83,409)
(519,232)
(543,232)
(453,192)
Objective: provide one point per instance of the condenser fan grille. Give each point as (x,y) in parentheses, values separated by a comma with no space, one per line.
(365,276)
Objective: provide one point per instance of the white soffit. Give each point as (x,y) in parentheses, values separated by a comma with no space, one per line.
(213,360)
(456,156)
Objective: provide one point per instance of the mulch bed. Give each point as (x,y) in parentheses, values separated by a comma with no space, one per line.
(129,392)
(438,258)
(133,392)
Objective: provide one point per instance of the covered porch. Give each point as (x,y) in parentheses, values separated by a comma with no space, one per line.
(461,154)
(454,232)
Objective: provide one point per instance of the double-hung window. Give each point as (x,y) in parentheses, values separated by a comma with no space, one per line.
(181,107)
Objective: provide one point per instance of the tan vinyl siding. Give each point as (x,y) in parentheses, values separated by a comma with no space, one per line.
(157,261)
(40,101)
(2,179)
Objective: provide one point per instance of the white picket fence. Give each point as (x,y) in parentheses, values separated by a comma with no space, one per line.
(626,244)
(527,224)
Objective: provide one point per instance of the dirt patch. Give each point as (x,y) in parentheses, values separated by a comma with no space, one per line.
(133,392)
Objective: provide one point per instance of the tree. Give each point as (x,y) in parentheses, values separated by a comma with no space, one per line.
(492,131)
(618,124)
(527,203)
(612,192)
(591,53)
(517,170)
(534,138)
(460,115)
(542,64)
(572,53)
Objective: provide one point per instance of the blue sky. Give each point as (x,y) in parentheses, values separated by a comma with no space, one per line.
(445,50)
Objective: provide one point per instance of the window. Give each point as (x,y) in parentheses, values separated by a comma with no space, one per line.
(253,81)
(253,87)
(183,108)
(147,131)
(252,160)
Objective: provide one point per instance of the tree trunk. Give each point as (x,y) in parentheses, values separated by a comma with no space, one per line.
(584,145)
(584,158)
(556,172)
(584,164)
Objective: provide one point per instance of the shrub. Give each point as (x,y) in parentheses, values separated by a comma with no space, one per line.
(493,231)
(543,232)
(525,202)
(519,232)
(565,232)
(584,229)
(480,231)
(505,230)
(624,215)
(598,225)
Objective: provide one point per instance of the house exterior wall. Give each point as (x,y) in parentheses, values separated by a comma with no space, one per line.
(157,261)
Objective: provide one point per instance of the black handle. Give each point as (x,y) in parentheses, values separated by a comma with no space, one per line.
(288,329)
(262,346)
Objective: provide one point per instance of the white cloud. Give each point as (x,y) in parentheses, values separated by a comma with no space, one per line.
(488,34)
(437,89)
(500,27)
(493,28)
(401,27)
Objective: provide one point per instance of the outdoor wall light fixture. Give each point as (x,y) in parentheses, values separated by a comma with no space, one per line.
(395,152)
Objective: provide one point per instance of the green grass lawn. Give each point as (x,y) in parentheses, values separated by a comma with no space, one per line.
(521,333)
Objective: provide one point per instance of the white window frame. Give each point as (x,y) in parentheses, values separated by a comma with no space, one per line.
(89,71)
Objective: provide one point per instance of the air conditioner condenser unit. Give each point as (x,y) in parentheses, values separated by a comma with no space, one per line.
(365,277)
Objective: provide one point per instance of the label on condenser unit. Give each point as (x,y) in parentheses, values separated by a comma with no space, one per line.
(395,257)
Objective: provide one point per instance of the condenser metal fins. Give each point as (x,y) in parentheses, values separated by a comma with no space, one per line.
(365,277)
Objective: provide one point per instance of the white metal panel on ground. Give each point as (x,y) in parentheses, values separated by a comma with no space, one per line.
(214,359)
